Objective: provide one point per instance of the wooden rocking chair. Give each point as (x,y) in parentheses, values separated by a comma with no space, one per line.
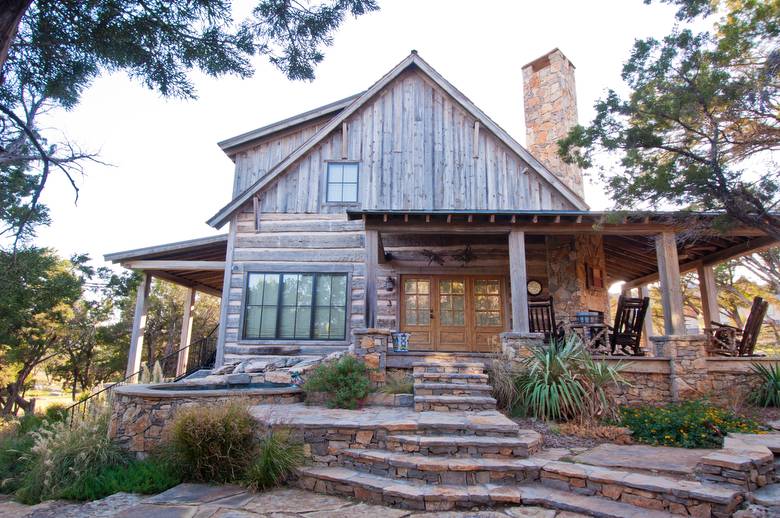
(626,334)
(725,340)
(541,318)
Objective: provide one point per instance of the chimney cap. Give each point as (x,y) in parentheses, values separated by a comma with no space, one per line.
(540,63)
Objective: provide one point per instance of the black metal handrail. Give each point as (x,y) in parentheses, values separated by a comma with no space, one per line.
(205,355)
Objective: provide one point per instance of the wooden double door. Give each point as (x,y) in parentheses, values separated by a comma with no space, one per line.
(453,312)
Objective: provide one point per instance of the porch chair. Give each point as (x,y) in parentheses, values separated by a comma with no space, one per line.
(725,340)
(541,318)
(626,334)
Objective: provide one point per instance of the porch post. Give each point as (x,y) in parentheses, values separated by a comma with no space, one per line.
(644,291)
(518,278)
(669,277)
(372,257)
(709,294)
(139,326)
(186,332)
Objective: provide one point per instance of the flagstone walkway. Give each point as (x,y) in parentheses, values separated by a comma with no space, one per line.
(204,501)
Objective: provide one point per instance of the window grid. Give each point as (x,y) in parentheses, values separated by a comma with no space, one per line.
(335,328)
(342,182)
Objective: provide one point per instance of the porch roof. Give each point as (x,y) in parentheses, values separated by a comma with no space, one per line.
(196,263)
(629,237)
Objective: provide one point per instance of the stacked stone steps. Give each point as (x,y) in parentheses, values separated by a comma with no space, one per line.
(429,497)
(525,444)
(450,377)
(452,389)
(463,471)
(678,496)
(453,386)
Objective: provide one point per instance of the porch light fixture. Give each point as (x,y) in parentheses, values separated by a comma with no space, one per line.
(390,284)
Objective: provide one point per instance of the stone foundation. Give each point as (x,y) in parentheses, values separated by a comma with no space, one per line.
(516,346)
(141,416)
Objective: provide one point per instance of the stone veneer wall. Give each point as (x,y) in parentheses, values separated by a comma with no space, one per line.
(680,370)
(371,345)
(567,261)
(141,417)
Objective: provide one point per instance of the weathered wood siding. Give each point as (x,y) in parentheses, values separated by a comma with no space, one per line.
(252,163)
(416,150)
(296,243)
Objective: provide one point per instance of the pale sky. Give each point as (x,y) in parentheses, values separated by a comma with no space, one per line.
(168,175)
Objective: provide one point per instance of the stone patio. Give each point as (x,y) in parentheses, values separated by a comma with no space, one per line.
(205,501)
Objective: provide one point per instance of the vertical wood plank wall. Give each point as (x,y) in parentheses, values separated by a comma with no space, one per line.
(416,150)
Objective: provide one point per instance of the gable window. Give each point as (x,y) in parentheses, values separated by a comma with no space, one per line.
(303,306)
(342,182)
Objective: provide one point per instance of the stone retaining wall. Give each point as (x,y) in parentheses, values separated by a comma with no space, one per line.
(141,416)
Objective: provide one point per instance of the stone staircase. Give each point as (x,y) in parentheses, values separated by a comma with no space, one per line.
(448,386)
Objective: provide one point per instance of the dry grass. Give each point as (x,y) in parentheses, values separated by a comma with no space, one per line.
(615,434)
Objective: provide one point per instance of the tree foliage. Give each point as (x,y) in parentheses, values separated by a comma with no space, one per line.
(56,48)
(701,116)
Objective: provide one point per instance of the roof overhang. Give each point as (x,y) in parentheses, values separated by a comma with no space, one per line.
(196,263)
(629,237)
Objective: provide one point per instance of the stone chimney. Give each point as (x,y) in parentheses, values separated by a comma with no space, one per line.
(550,100)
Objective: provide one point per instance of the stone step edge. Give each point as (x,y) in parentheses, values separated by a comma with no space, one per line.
(484,400)
(451,375)
(525,438)
(449,364)
(481,387)
(441,463)
(653,483)
(431,497)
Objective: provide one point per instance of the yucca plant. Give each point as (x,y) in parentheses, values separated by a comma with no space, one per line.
(767,393)
(550,387)
(597,377)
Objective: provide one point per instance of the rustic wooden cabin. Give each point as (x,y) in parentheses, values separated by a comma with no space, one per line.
(407,208)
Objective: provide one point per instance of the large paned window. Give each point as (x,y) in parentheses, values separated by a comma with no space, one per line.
(300,306)
(342,182)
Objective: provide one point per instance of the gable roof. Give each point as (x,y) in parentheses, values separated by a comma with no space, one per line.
(230,144)
(413,60)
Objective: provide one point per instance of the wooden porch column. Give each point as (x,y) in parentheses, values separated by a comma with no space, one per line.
(139,327)
(186,332)
(644,291)
(518,278)
(709,294)
(372,259)
(669,276)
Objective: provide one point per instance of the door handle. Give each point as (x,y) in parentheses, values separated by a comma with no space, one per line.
(431,314)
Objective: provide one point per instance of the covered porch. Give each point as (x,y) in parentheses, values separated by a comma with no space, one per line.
(573,256)
(197,264)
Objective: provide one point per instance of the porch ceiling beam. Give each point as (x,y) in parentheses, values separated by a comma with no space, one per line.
(174,265)
(744,248)
(396,226)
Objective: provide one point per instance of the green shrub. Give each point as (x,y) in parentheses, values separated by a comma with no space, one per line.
(150,476)
(398,384)
(561,381)
(345,382)
(277,457)
(214,443)
(13,447)
(63,455)
(692,424)
(767,393)
(56,413)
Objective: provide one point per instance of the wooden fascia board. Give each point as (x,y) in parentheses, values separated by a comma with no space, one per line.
(165,248)
(230,146)
(223,215)
(174,265)
(753,245)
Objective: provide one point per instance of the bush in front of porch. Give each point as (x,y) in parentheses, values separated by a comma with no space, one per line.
(690,424)
(344,383)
